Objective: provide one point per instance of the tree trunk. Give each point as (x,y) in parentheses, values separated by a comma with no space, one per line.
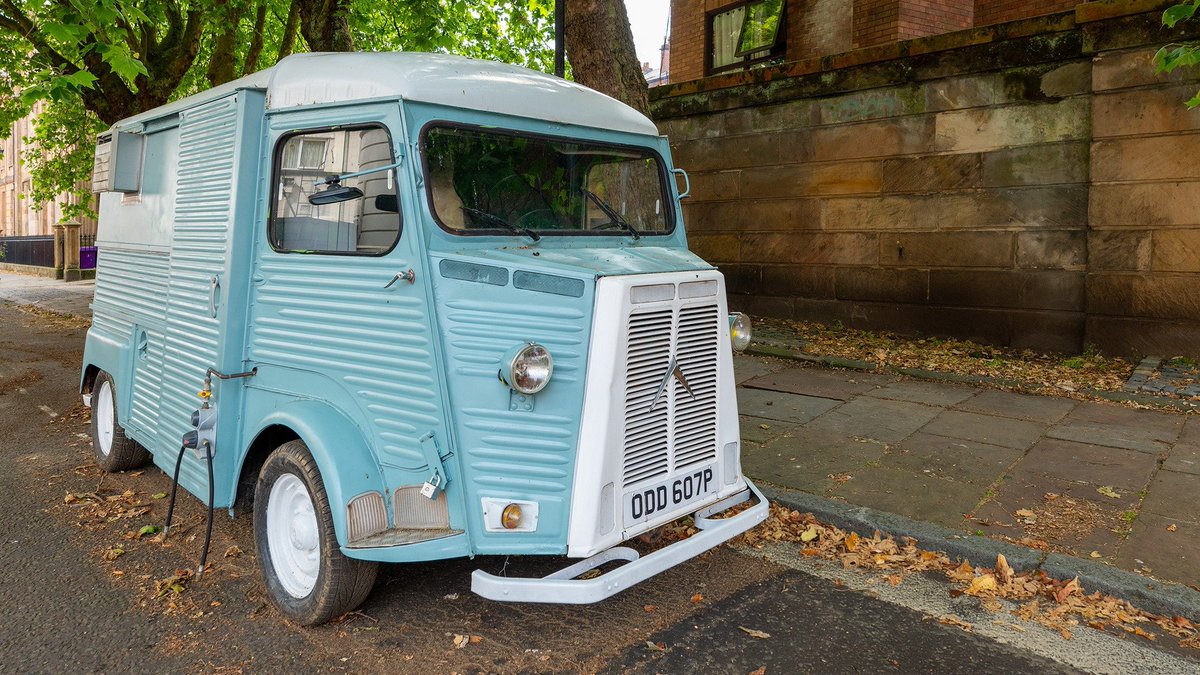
(600,48)
(325,25)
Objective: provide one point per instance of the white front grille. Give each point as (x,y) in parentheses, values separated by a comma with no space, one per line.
(677,429)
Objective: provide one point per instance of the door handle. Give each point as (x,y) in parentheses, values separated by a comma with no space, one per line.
(409,276)
(214,284)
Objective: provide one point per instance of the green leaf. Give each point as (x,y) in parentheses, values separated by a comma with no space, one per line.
(148,530)
(80,80)
(124,64)
(159,495)
(1193,101)
(1177,13)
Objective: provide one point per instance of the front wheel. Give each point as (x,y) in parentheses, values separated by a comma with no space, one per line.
(114,450)
(306,574)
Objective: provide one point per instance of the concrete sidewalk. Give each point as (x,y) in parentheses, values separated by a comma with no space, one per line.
(53,294)
(1108,484)
(1099,481)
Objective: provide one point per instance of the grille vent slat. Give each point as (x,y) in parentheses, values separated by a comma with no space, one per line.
(681,431)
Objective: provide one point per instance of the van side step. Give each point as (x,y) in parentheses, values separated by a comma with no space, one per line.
(398,537)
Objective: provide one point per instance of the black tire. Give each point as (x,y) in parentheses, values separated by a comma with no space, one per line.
(114,450)
(339,584)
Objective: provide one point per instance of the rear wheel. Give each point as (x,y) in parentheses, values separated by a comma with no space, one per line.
(306,574)
(114,450)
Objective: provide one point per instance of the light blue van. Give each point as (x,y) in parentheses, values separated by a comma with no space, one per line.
(412,307)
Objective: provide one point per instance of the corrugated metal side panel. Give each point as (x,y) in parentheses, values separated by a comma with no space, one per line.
(506,452)
(331,315)
(131,288)
(207,143)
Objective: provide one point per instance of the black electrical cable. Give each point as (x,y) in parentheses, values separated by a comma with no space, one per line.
(174,489)
(208,530)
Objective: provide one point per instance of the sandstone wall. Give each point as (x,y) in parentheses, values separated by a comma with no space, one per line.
(1031,184)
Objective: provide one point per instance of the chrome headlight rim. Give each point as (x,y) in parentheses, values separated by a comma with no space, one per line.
(521,356)
(741,332)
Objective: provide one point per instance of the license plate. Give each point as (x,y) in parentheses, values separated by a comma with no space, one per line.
(657,499)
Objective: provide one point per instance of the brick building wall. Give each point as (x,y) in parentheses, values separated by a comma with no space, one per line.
(824,27)
(988,12)
(1031,187)
(819,27)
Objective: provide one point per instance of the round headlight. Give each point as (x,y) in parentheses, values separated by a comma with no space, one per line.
(529,369)
(739,331)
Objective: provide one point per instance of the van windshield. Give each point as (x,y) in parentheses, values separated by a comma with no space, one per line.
(490,182)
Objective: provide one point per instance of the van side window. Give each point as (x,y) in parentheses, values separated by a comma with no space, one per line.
(363,219)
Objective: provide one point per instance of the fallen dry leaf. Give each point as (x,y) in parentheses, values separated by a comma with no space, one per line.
(761,670)
(1107,491)
(1172,527)
(809,534)
(852,541)
(755,633)
(1004,572)
(1071,587)
(982,585)
(957,622)
(649,608)
(461,641)
(697,598)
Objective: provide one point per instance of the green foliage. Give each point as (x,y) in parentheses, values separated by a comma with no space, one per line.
(96,61)
(1179,55)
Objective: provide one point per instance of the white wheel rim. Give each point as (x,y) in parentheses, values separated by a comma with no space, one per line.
(292,536)
(105,413)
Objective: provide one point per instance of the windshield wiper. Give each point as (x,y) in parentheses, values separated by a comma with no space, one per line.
(614,217)
(497,220)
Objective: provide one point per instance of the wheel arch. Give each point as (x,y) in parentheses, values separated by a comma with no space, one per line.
(348,466)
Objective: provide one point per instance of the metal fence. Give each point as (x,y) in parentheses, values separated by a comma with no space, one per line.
(38,251)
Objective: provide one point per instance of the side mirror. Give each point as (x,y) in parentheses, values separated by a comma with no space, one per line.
(334,194)
(387,203)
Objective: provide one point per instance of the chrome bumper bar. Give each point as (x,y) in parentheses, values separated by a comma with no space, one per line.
(562,587)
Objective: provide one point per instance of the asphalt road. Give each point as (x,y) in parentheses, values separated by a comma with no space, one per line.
(69,602)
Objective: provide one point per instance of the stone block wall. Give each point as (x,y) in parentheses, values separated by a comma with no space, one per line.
(1031,186)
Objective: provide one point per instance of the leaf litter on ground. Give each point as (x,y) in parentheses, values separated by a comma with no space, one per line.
(1058,604)
(1031,371)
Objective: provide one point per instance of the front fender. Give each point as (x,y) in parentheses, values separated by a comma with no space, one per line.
(347,465)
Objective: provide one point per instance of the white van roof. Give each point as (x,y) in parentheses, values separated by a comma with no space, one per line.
(335,77)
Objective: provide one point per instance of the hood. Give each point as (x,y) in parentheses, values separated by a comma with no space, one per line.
(589,262)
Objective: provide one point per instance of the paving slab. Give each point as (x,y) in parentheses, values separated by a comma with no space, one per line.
(749,367)
(806,459)
(1165,553)
(1096,465)
(951,458)
(915,495)
(878,419)
(835,384)
(777,405)
(1190,436)
(1173,495)
(1003,431)
(1020,406)
(1096,533)
(1141,439)
(929,393)
(1184,459)
(759,431)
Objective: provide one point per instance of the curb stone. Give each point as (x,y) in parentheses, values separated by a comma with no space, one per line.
(1151,595)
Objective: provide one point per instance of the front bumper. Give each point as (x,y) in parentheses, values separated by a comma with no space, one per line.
(562,587)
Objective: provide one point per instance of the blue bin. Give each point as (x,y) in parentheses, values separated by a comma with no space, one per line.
(87,257)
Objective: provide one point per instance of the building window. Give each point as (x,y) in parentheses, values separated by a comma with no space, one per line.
(746,34)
